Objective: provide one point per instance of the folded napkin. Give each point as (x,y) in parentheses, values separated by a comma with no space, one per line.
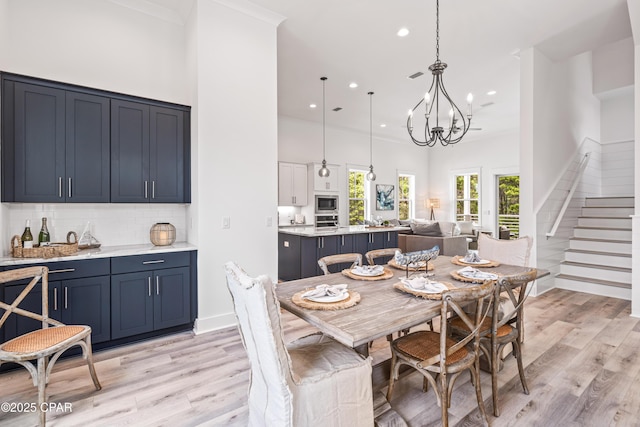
(325,291)
(474,273)
(472,257)
(423,284)
(368,270)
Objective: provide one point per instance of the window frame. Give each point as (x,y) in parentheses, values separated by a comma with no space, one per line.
(412,193)
(367,191)
(467,199)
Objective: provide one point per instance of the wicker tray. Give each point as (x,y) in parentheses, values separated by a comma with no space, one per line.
(459,260)
(353,299)
(460,278)
(51,251)
(386,275)
(437,296)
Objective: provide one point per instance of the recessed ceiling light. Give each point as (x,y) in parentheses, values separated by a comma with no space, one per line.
(491,92)
(403,32)
(353,85)
(383,125)
(312,105)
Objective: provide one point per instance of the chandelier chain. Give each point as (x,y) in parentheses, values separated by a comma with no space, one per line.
(437,30)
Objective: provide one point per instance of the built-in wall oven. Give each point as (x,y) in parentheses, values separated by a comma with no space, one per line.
(326,207)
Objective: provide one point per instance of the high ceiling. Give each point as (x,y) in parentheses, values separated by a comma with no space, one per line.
(355,41)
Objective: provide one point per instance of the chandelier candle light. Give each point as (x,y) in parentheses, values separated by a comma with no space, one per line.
(437,96)
(324,170)
(371,176)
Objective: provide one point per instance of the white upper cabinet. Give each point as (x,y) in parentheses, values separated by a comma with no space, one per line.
(329,183)
(292,184)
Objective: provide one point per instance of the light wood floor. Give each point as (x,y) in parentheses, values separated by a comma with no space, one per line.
(581,355)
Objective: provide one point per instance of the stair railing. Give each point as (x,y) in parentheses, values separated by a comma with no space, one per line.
(567,200)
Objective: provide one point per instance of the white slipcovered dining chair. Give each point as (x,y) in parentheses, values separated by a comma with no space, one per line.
(313,381)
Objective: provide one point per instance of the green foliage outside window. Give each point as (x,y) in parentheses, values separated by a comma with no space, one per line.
(467,196)
(404,197)
(356,197)
(509,195)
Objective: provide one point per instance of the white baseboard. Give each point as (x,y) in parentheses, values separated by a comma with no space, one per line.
(214,323)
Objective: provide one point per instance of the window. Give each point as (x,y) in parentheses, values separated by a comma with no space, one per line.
(509,203)
(467,197)
(406,196)
(357,196)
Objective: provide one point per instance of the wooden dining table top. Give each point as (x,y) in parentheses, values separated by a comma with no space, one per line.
(382,309)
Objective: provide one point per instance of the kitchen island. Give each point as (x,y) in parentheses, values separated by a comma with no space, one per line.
(299,248)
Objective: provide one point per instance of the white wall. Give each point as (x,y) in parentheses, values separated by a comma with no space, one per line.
(300,141)
(490,157)
(236,124)
(613,66)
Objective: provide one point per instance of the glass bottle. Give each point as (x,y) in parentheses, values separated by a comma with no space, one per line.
(43,237)
(27,237)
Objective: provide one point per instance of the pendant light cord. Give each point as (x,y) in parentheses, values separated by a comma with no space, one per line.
(371,128)
(324,156)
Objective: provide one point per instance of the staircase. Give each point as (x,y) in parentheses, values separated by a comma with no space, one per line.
(598,260)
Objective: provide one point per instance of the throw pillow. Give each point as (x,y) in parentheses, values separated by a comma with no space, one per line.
(432,230)
(449,229)
(466,227)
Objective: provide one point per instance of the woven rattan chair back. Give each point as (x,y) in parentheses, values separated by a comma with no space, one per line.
(371,256)
(353,258)
(438,357)
(44,345)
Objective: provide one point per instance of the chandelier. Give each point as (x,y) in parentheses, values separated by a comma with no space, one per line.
(448,129)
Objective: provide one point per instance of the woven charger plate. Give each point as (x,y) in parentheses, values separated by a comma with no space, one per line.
(402,287)
(388,274)
(457,260)
(394,264)
(353,299)
(456,276)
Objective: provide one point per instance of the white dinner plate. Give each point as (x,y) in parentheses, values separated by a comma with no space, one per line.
(329,298)
(367,273)
(481,262)
(483,276)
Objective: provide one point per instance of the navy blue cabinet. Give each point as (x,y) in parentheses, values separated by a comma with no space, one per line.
(147,296)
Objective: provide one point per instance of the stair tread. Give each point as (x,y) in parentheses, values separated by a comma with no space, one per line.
(604,217)
(597,266)
(596,281)
(600,240)
(588,227)
(582,251)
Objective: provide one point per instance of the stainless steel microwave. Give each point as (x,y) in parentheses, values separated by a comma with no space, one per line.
(326,204)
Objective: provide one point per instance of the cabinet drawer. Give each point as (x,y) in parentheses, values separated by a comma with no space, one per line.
(149,262)
(64,270)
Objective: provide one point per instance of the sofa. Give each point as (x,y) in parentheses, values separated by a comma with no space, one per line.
(427,234)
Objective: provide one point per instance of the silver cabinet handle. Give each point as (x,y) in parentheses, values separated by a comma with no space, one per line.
(149,285)
(64,270)
(70,187)
(60,187)
(153,189)
(157,285)
(55,299)
(65,297)
(157,261)
(343,240)
(146,189)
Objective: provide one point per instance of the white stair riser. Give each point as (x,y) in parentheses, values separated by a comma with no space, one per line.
(614,212)
(593,245)
(596,273)
(598,259)
(593,288)
(610,201)
(602,233)
(605,222)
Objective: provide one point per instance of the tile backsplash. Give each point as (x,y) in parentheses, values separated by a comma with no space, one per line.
(111,224)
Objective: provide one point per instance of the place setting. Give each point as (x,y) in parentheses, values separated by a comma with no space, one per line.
(368,272)
(326,297)
(473,259)
(423,286)
(473,275)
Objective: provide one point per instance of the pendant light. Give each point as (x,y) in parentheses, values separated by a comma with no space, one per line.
(324,170)
(371,176)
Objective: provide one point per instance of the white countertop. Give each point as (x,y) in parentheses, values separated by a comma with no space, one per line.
(104,252)
(354,229)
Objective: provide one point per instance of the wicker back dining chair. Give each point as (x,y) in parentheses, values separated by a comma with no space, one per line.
(313,381)
(502,329)
(441,359)
(371,256)
(353,258)
(43,345)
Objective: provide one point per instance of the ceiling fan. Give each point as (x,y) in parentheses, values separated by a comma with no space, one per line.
(455,128)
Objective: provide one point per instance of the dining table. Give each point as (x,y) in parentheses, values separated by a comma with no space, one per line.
(382,309)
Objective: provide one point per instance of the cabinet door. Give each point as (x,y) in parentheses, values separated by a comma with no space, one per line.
(345,246)
(327,245)
(87,148)
(172,298)
(299,185)
(39,140)
(131,304)
(285,184)
(87,302)
(329,183)
(289,262)
(129,152)
(391,239)
(166,152)
(18,325)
